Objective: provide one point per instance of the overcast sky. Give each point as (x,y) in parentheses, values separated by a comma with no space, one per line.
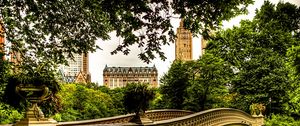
(100,58)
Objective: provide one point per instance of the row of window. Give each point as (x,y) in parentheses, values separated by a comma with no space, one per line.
(121,75)
(129,80)
(116,83)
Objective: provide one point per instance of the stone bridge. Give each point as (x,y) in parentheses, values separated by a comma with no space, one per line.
(167,117)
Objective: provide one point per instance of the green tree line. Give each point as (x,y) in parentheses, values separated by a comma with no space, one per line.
(255,62)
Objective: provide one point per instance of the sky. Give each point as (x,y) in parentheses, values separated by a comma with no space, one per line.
(100,58)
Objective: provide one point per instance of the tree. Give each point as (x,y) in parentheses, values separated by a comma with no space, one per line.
(208,88)
(47,29)
(82,103)
(256,52)
(8,115)
(196,85)
(293,106)
(4,74)
(117,96)
(137,98)
(174,84)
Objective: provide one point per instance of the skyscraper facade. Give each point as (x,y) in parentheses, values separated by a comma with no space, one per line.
(114,77)
(2,49)
(77,69)
(183,44)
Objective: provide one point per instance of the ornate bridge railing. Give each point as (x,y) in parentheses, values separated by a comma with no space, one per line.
(165,114)
(213,117)
(154,115)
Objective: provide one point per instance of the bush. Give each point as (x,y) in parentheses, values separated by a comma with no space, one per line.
(82,103)
(8,114)
(281,120)
(137,98)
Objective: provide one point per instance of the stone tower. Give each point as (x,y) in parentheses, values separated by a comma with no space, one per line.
(183,44)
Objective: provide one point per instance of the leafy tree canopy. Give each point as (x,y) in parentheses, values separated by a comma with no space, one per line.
(196,85)
(46,29)
(175,83)
(82,103)
(256,50)
(210,77)
(137,98)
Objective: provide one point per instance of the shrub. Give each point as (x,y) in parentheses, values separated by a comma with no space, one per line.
(281,120)
(137,98)
(8,114)
(81,103)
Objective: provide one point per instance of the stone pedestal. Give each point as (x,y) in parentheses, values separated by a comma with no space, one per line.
(35,117)
(259,120)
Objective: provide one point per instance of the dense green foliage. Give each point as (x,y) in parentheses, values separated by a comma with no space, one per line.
(281,120)
(208,83)
(174,85)
(4,74)
(196,85)
(137,98)
(81,103)
(48,28)
(257,51)
(256,62)
(8,114)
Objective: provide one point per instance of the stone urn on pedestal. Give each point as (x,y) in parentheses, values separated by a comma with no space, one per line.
(34,116)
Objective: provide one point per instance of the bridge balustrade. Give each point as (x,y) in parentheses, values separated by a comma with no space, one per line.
(167,117)
(154,115)
(213,117)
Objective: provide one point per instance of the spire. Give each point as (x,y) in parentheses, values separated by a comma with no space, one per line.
(105,68)
(181,23)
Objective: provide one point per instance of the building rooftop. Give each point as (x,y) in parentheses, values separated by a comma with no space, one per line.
(130,69)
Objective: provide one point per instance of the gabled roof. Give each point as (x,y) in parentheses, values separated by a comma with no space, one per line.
(130,69)
(81,78)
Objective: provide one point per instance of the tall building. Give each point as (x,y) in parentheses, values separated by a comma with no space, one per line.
(183,44)
(77,70)
(114,77)
(2,49)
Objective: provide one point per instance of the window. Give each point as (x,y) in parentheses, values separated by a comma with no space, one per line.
(185,36)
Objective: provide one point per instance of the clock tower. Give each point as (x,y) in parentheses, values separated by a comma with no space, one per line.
(183,44)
